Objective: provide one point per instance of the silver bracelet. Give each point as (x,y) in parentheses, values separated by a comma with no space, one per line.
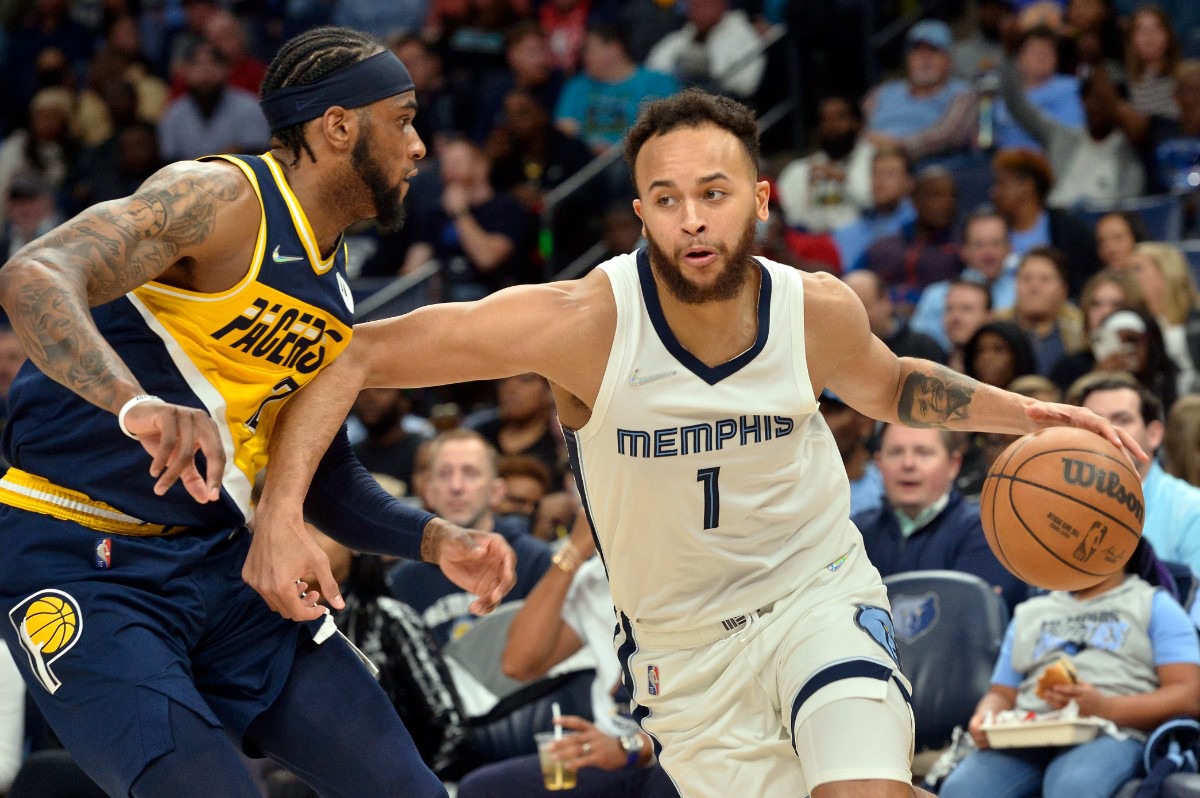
(125,408)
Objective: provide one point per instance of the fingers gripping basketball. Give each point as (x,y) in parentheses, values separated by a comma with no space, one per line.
(1062,508)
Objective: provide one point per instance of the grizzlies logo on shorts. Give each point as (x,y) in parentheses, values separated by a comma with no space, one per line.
(877,623)
(48,623)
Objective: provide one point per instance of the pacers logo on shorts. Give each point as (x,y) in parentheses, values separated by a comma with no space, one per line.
(48,623)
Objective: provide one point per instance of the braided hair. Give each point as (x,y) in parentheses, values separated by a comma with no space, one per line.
(306,59)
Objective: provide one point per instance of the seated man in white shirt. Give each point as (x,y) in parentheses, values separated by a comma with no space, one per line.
(831,187)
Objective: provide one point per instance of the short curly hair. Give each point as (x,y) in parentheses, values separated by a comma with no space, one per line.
(691,108)
(1027,164)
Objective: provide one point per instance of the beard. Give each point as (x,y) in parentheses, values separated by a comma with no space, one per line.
(385,423)
(838,147)
(207,98)
(385,196)
(727,285)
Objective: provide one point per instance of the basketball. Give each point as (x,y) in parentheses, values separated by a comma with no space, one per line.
(50,622)
(1062,508)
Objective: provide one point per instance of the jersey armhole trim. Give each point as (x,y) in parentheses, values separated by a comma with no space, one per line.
(260,248)
(616,356)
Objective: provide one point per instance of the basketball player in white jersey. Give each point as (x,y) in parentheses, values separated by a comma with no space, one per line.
(754,634)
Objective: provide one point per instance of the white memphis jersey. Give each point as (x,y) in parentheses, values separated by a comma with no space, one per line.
(713,491)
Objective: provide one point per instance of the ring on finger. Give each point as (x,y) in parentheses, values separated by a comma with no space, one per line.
(587,748)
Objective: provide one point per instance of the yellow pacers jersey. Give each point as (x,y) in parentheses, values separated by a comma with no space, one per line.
(239,354)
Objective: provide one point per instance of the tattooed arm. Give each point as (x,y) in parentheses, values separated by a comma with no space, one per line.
(844,356)
(108,250)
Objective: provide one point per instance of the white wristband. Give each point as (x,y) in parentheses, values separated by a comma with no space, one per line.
(125,408)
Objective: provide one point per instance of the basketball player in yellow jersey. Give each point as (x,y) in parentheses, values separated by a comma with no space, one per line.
(219,286)
(754,634)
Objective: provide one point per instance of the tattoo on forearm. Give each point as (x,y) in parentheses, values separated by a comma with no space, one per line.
(933,400)
(102,254)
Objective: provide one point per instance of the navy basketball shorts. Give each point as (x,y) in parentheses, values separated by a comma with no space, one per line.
(107,630)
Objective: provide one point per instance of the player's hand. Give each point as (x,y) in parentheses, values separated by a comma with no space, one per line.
(172,434)
(581,537)
(1090,700)
(1050,414)
(481,563)
(283,561)
(455,199)
(588,747)
(975,728)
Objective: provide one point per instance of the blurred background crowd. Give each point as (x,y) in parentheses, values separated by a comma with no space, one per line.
(1009,186)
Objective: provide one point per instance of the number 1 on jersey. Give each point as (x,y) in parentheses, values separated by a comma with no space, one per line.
(712,496)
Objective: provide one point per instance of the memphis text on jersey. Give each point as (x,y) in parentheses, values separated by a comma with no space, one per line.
(702,437)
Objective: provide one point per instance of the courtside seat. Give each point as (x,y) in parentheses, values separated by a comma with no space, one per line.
(1177,785)
(949,626)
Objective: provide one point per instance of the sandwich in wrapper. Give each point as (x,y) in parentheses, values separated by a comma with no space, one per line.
(1060,672)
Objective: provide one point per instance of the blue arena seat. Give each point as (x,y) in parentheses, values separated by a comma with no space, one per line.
(949,626)
(1192,250)
(1162,214)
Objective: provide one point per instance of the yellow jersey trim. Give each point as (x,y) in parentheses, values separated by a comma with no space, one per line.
(39,495)
(307,237)
(260,248)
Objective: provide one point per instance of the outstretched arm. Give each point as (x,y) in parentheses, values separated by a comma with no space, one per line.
(347,502)
(529,328)
(539,638)
(860,369)
(502,335)
(1041,126)
(105,252)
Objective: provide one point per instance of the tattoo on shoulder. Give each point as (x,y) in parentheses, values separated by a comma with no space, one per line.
(121,244)
(932,400)
(112,248)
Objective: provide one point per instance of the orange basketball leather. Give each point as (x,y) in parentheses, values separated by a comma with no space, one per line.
(1062,508)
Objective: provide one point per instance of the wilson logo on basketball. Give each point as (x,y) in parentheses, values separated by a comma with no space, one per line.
(1108,483)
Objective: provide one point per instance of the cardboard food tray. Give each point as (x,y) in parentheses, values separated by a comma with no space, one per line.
(1041,733)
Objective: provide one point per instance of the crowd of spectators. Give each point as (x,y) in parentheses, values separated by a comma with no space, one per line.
(1016,202)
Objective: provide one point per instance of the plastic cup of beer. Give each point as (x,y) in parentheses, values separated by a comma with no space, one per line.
(556,775)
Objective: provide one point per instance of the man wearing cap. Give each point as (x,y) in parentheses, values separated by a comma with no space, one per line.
(165,331)
(930,114)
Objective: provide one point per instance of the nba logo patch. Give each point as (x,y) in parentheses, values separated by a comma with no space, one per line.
(47,624)
(652,679)
(103,552)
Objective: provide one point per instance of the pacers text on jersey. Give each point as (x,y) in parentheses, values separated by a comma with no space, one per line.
(280,335)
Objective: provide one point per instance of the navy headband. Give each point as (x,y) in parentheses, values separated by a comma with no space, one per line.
(361,83)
